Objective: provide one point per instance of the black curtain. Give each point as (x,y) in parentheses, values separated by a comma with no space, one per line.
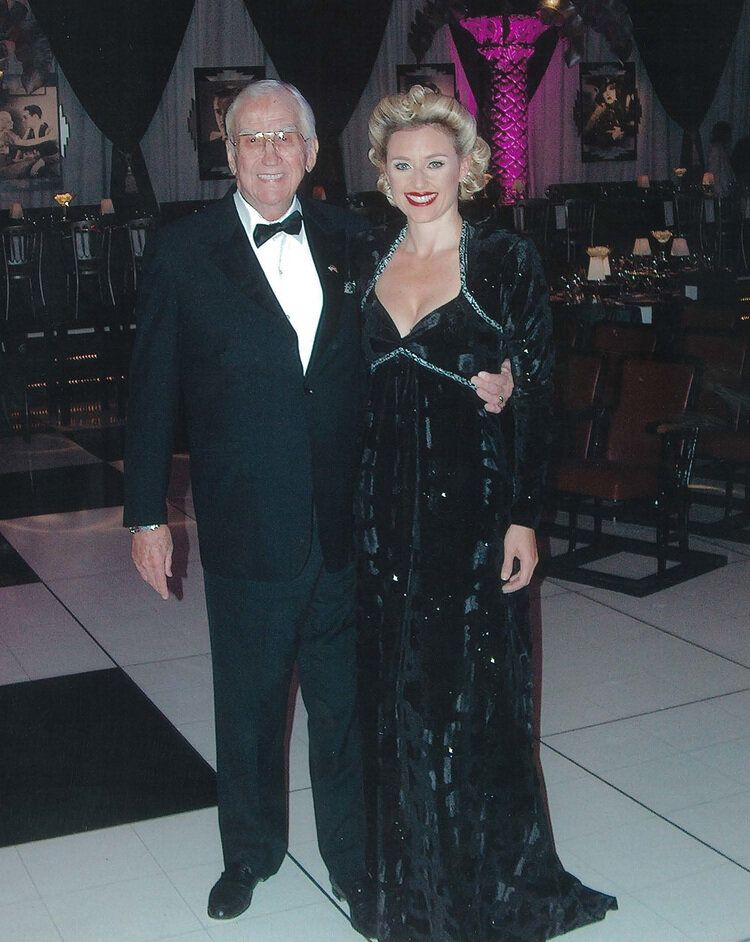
(327,48)
(684,45)
(117,56)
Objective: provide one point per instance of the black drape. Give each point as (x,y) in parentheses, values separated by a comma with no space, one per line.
(117,56)
(327,48)
(684,45)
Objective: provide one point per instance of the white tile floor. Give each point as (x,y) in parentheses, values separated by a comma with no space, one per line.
(645,747)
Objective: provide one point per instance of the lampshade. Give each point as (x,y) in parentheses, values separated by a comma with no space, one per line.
(641,247)
(106,206)
(598,262)
(680,247)
(708,179)
(643,181)
(16,211)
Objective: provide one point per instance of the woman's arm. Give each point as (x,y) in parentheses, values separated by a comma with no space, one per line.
(529,324)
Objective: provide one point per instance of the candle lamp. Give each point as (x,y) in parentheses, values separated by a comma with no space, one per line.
(63,200)
(599,268)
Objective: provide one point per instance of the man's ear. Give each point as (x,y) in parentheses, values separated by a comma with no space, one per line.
(312,153)
(231,157)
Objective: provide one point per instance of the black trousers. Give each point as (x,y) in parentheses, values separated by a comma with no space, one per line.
(258,630)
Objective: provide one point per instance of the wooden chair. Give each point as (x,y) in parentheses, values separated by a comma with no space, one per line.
(616,342)
(646,460)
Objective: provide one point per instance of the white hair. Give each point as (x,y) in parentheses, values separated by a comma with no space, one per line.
(267,87)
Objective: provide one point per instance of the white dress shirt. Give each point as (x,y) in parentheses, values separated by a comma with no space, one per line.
(288,265)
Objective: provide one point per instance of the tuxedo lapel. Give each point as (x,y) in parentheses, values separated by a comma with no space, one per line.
(328,249)
(235,258)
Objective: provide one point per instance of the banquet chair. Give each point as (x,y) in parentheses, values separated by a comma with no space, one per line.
(91,259)
(138,231)
(644,464)
(577,406)
(688,210)
(531,219)
(699,316)
(22,257)
(724,442)
(580,217)
(615,342)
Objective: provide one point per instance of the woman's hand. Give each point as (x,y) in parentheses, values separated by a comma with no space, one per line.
(494,388)
(519,544)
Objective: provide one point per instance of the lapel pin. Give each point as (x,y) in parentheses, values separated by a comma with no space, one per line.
(349,287)
(333,269)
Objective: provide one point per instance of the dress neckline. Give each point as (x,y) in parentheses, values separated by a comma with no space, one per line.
(385,261)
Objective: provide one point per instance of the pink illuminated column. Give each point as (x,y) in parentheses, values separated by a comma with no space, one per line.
(507,42)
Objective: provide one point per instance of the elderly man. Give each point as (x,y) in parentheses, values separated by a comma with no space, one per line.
(245,316)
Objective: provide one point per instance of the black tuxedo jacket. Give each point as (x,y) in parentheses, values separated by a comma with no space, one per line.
(269,446)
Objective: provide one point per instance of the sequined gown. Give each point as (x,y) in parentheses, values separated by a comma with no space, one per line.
(463,848)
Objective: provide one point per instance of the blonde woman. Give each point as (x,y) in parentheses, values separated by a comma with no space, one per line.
(463,849)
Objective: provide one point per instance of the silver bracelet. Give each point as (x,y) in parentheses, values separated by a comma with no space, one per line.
(149,526)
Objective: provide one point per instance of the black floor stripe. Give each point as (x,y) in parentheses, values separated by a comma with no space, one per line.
(59,490)
(107,444)
(14,570)
(90,751)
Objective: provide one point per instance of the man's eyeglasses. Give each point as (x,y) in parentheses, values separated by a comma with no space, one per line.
(256,140)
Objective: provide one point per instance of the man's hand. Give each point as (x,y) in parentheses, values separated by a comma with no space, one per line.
(152,554)
(494,388)
(519,544)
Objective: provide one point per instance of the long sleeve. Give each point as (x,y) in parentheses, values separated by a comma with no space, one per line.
(154,392)
(531,355)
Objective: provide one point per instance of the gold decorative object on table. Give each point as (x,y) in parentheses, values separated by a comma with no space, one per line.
(64,200)
(679,172)
(599,268)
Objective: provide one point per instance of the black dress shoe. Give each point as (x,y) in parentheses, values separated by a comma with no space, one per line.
(233,892)
(360,895)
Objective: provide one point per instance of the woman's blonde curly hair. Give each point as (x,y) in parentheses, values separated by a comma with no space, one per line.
(422,106)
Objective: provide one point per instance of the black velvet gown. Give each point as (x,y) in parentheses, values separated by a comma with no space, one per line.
(463,848)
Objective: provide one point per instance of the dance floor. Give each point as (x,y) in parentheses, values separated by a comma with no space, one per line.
(107,820)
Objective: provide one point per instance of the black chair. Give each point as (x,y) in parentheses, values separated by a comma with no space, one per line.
(580,217)
(531,218)
(91,259)
(138,231)
(22,256)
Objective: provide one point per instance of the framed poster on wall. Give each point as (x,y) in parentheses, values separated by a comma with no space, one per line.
(30,139)
(438,75)
(607,111)
(214,91)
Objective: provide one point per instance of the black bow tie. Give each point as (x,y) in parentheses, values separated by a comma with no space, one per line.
(265,231)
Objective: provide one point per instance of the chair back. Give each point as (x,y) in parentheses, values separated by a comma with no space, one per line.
(697,316)
(719,360)
(20,248)
(650,392)
(138,230)
(577,392)
(624,339)
(579,219)
(531,218)
(688,208)
(90,243)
